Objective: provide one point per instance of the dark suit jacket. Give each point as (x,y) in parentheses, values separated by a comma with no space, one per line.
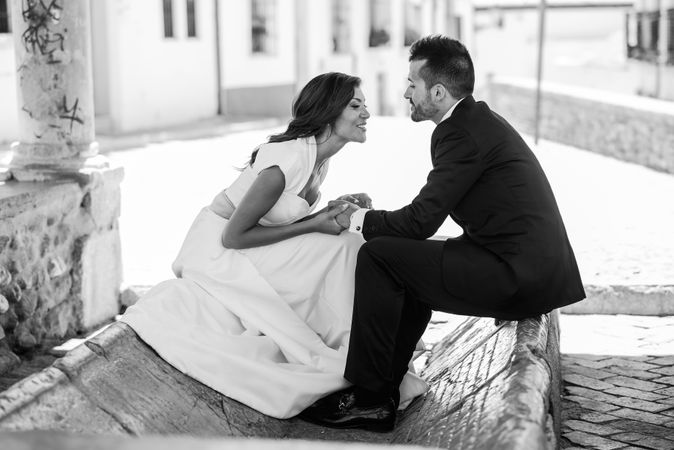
(514,253)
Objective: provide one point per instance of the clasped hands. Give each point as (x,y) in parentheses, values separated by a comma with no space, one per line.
(352,203)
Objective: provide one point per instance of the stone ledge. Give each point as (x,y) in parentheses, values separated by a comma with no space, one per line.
(642,103)
(504,379)
(40,440)
(637,300)
(17,197)
(629,128)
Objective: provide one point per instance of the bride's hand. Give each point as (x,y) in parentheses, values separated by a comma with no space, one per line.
(325,222)
(361,199)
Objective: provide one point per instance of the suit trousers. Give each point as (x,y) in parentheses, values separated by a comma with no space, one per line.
(399,282)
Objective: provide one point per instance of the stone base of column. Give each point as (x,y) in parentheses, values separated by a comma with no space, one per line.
(44,162)
(60,258)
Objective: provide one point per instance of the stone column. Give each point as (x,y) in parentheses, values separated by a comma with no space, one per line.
(55,90)
(61,249)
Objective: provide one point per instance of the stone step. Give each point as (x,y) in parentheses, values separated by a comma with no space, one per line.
(491,387)
(25,368)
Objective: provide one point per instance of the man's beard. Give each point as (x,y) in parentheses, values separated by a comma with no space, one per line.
(423,111)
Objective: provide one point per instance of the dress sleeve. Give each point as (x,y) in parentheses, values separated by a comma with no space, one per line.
(286,158)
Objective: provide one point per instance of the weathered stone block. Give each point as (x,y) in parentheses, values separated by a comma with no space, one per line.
(49,242)
(8,360)
(4,304)
(104,197)
(101,267)
(9,320)
(58,321)
(24,338)
(48,401)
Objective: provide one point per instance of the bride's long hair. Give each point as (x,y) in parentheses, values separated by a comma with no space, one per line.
(318,105)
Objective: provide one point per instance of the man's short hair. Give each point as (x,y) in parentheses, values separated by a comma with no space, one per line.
(447,62)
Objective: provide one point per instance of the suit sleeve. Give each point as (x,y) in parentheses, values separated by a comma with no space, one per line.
(456,167)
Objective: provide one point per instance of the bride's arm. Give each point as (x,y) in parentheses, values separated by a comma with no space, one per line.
(243,230)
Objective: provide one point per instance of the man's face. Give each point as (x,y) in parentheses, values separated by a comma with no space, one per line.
(421,103)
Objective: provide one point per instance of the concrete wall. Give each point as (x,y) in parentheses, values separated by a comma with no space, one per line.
(143,80)
(654,81)
(8,109)
(256,83)
(153,81)
(630,128)
(383,69)
(60,260)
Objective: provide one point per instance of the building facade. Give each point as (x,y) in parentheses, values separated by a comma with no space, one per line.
(167,62)
(650,46)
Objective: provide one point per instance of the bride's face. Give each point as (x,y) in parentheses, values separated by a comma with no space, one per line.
(350,125)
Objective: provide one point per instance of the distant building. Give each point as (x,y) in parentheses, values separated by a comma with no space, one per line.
(163,63)
(584,41)
(650,46)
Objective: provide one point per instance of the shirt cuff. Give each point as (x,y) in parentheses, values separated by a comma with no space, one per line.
(357,218)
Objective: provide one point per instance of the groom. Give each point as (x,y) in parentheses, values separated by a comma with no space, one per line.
(512,261)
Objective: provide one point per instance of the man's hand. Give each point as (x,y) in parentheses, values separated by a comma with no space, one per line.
(326,220)
(344,217)
(361,199)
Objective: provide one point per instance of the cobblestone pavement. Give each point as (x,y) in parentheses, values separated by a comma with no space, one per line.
(618,376)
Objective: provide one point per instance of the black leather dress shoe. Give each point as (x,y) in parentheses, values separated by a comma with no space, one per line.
(343,410)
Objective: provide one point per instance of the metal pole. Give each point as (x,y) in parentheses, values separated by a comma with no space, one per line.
(661,49)
(218,58)
(539,71)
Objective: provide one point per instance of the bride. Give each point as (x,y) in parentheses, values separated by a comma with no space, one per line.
(261,307)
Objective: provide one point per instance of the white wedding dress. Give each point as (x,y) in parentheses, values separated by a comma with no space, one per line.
(267,326)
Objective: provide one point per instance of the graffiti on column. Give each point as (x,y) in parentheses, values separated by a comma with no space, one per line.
(45,38)
(39,37)
(70,113)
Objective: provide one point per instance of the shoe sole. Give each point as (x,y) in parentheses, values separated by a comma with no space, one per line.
(376,427)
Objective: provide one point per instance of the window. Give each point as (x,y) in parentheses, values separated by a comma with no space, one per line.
(643,35)
(653,31)
(380,22)
(191,19)
(458,28)
(340,26)
(412,21)
(263,19)
(640,33)
(5,26)
(168,18)
(453,23)
(632,34)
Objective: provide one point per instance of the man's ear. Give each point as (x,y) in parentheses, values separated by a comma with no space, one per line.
(439,92)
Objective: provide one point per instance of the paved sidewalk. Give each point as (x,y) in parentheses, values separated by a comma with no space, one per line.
(618,375)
